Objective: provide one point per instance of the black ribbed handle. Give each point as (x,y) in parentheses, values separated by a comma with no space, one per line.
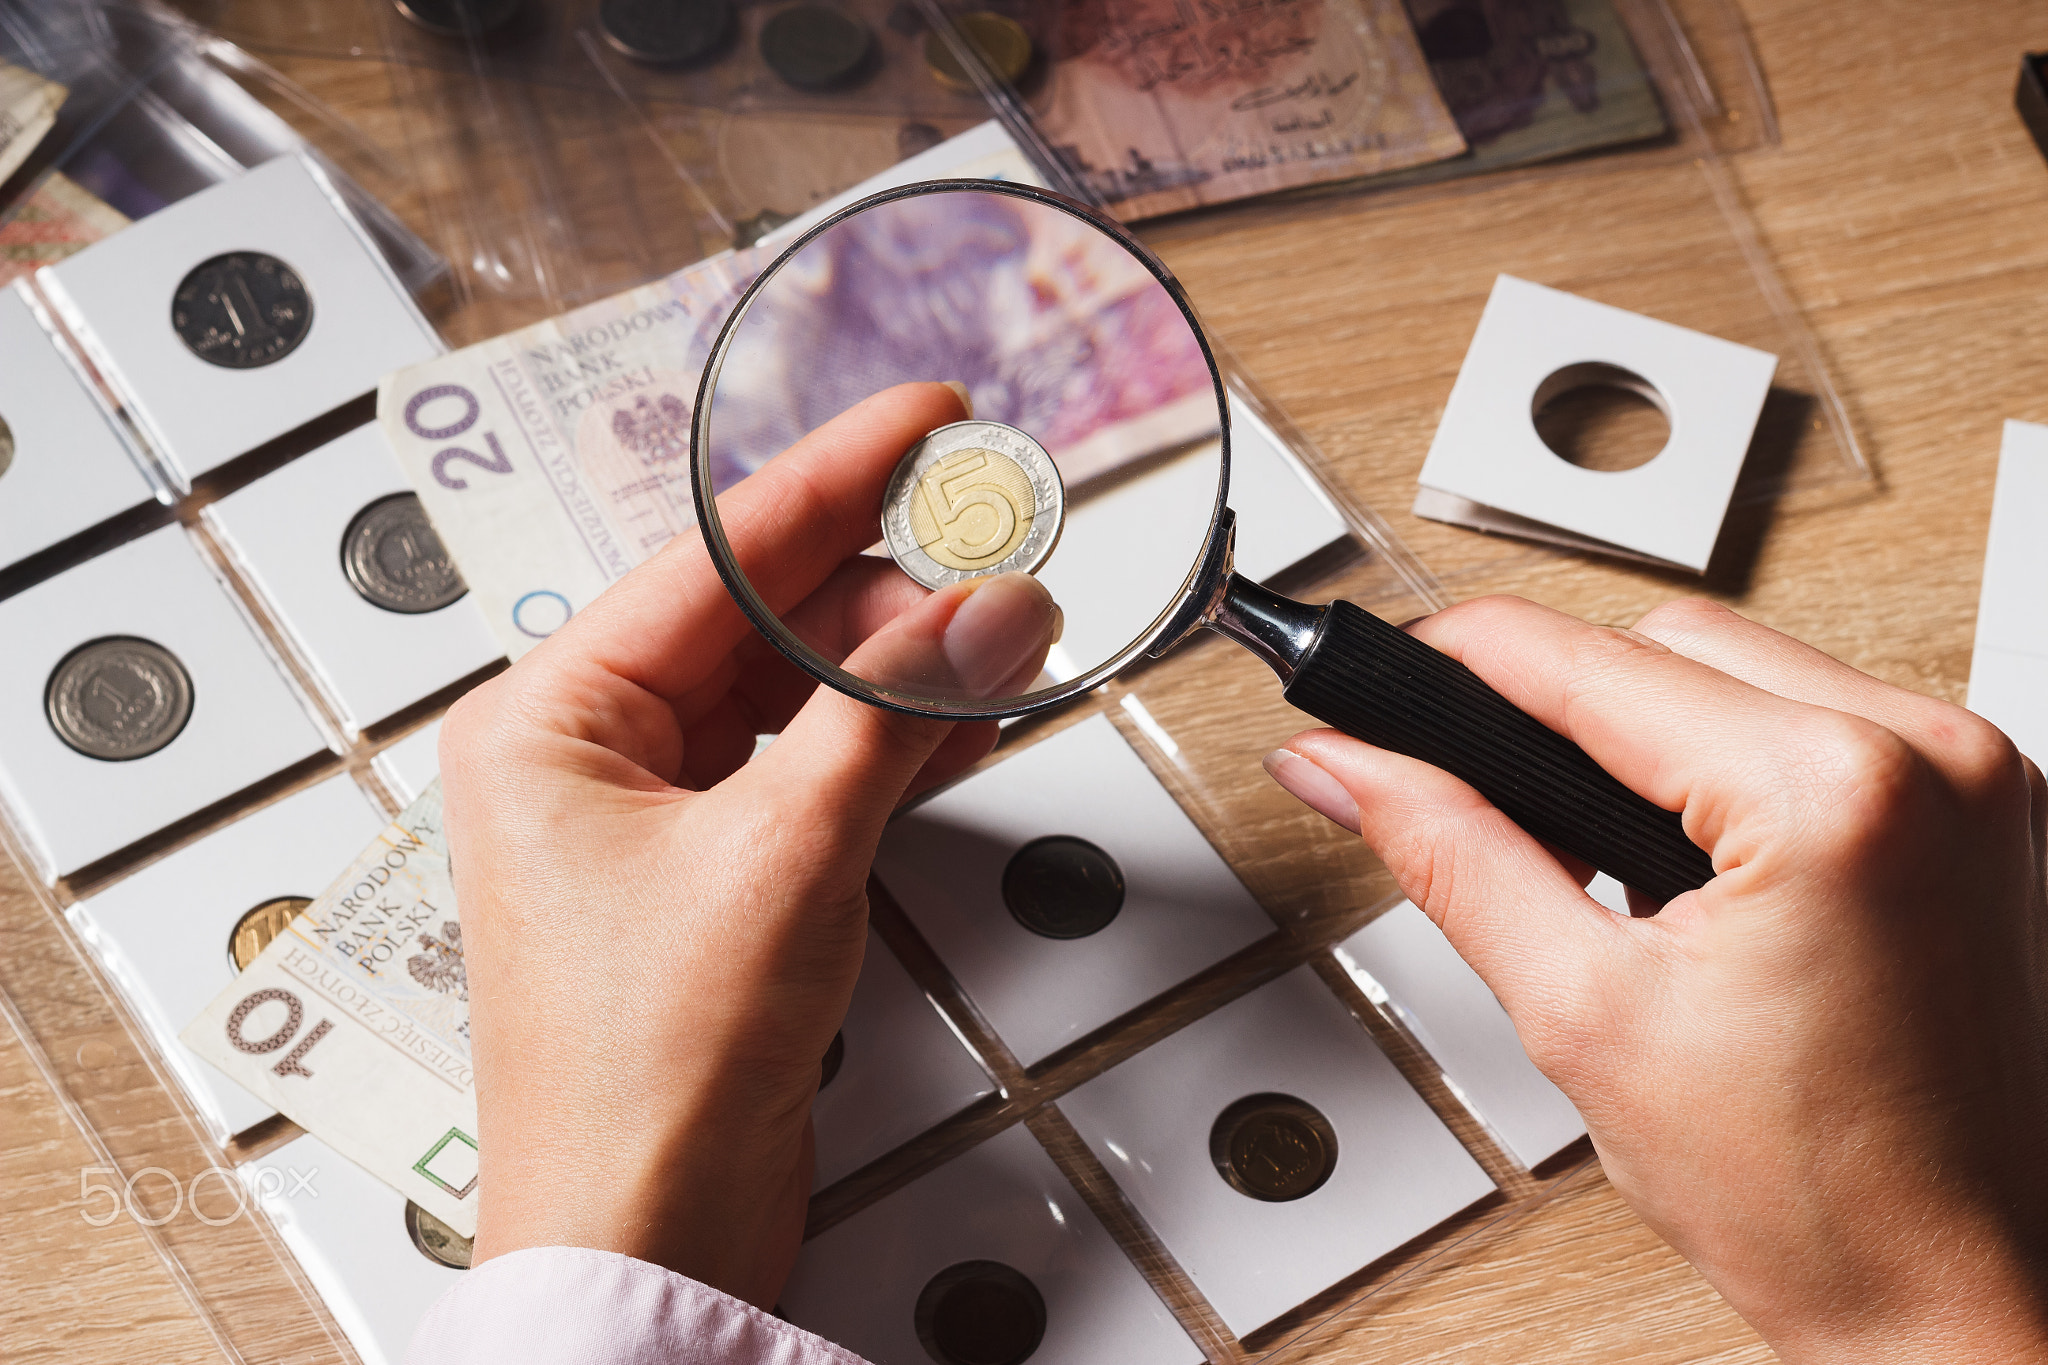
(1377,682)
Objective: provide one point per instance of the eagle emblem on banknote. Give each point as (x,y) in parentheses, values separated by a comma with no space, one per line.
(440,967)
(656,430)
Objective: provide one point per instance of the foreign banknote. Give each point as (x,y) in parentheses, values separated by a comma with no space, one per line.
(1161,106)
(354,1022)
(58,219)
(554,459)
(28,110)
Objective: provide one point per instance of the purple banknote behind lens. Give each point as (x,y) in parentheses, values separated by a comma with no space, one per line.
(1054,328)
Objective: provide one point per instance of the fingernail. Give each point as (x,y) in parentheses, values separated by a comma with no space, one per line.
(1004,624)
(966,398)
(1313,787)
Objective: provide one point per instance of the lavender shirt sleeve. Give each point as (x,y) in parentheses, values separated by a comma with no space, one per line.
(574,1306)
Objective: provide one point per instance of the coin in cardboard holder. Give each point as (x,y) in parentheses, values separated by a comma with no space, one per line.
(980,1313)
(119,698)
(1062,886)
(1273,1147)
(396,561)
(666,32)
(260,925)
(437,1241)
(816,47)
(241,310)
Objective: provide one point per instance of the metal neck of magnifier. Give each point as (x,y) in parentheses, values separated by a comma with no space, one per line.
(1348,668)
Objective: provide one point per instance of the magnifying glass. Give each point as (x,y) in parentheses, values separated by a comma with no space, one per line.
(1098,459)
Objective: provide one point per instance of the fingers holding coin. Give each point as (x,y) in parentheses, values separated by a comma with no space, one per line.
(972,499)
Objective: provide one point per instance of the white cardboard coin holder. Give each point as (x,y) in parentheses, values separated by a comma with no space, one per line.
(245,725)
(902,1070)
(1489,468)
(2009,662)
(1183,908)
(410,764)
(115,297)
(1399,1171)
(1410,971)
(346,1228)
(285,532)
(858,1283)
(71,468)
(163,933)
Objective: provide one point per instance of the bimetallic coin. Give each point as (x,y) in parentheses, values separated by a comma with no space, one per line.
(118,698)
(255,930)
(435,1239)
(394,560)
(980,1313)
(241,310)
(6,445)
(459,18)
(1000,41)
(666,32)
(1063,887)
(1273,1147)
(814,47)
(835,1057)
(971,499)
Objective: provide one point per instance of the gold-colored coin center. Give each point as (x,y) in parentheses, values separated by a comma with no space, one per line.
(972,509)
(254,931)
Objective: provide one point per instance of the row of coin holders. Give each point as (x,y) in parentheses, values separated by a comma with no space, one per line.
(1001,1223)
(366,653)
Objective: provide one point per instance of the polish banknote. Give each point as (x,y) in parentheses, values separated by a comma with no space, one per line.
(1159,106)
(554,459)
(354,1022)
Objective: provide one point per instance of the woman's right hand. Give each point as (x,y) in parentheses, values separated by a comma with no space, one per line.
(1823,1077)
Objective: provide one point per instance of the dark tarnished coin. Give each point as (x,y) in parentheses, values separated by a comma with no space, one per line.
(118,698)
(666,32)
(980,1313)
(394,560)
(835,1057)
(459,18)
(814,47)
(1273,1147)
(1063,887)
(255,930)
(242,310)
(1000,41)
(436,1240)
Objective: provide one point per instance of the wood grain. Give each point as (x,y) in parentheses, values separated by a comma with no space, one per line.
(1908,213)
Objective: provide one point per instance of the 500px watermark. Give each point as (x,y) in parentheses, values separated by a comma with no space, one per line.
(154,1196)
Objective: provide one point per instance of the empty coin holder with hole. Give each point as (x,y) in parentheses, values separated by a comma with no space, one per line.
(340,549)
(1083,960)
(241,720)
(896,1069)
(64,466)
(1297,1217)
(1489,468)
(347,1231)
(122,299)
(410,764)
(2009,661)
(968,1263)
(1410,971)
(164,933)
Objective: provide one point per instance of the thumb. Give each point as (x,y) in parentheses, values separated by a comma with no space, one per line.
(848,762)
(1521,918)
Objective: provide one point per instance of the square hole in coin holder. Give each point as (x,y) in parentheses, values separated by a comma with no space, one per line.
(859,1282)
(409,764)
(116,296)
(1183,909)
(347,1230)
(902,1068)
(1398,1171)
(1413,975)
(245,722)
(163,934)
(288,533)
(71,468)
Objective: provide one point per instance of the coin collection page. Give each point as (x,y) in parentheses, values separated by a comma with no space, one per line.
(1111,1087)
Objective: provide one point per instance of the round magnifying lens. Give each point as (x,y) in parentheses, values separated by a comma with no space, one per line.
(1094,459)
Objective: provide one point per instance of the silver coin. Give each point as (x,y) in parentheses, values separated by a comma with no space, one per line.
(118,698)
(437,1241)
(394,559)
(6,445)
(241,310)
(972,499)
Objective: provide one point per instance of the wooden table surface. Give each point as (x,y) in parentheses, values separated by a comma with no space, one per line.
(1908,213)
